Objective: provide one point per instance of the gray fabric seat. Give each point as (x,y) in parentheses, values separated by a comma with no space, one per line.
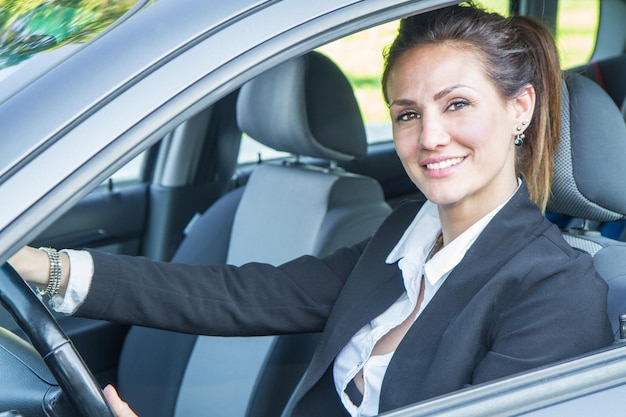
(306,107)
(608,73)
(589,174)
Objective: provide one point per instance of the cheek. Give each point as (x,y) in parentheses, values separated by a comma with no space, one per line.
(405,150)
(479,133)
(405,142)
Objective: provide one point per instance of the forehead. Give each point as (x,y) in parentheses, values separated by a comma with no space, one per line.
(435,66)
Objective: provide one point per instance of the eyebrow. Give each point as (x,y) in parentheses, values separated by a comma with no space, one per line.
(402,102)
(437,96)
(447,90)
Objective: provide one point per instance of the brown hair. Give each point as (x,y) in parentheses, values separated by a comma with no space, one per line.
(515,51)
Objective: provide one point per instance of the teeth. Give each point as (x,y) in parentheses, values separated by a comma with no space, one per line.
(444,164)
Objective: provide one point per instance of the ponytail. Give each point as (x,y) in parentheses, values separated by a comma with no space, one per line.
(536,160)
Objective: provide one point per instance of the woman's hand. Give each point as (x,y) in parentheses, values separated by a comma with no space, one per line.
(34,266)
(120,408)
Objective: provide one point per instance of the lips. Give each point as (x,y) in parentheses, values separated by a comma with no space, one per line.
(443,164)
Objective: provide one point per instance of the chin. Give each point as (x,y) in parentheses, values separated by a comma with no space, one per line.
(443,198)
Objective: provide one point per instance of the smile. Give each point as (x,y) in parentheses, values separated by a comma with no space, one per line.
(444,164)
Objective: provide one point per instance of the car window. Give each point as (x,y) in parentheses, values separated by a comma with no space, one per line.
(576,28)
(32,27)
(37,33)
(498,6)
(131,173)
(576,31)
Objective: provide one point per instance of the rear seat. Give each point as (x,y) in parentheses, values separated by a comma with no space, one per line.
(593,131)
(610,75)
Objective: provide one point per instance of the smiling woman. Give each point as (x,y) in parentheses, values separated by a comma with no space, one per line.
(472,286)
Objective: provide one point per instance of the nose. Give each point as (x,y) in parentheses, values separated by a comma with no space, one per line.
(433,133)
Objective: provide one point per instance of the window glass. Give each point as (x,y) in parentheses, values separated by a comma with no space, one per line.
(576,31)
(576,28)
(131,173)
(498,6)
(29,28)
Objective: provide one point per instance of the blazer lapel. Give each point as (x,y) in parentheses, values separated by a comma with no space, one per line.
(506,234)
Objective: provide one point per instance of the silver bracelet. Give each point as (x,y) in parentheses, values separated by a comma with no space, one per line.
(54,280)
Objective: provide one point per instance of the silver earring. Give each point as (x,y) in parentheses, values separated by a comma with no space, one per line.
(519,138)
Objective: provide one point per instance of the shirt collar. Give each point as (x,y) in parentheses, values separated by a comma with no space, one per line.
(418,239)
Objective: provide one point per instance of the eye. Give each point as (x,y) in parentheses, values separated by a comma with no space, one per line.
(405,116)
(458,105)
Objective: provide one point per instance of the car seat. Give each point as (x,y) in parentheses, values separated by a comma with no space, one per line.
(608,73)
(588,183)
(304,106)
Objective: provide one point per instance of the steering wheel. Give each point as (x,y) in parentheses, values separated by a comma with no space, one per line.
(56,349)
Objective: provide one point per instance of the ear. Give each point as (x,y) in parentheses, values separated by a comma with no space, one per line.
(523,104)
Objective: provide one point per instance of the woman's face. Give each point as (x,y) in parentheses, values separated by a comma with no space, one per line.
(452,130)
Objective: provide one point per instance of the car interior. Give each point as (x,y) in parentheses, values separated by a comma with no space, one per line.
(286,209)
(195,203)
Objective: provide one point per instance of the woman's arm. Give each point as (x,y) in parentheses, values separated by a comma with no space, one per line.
(254,299)
(557,314)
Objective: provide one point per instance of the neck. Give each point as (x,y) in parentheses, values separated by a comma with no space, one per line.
(436,246)
(457,218)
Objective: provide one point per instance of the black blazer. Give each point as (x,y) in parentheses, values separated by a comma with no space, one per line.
(520,298)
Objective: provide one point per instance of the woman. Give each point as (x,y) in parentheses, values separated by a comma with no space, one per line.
(473,286)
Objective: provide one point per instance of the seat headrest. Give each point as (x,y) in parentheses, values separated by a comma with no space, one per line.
(608,73)
(306,107)
(590,163)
